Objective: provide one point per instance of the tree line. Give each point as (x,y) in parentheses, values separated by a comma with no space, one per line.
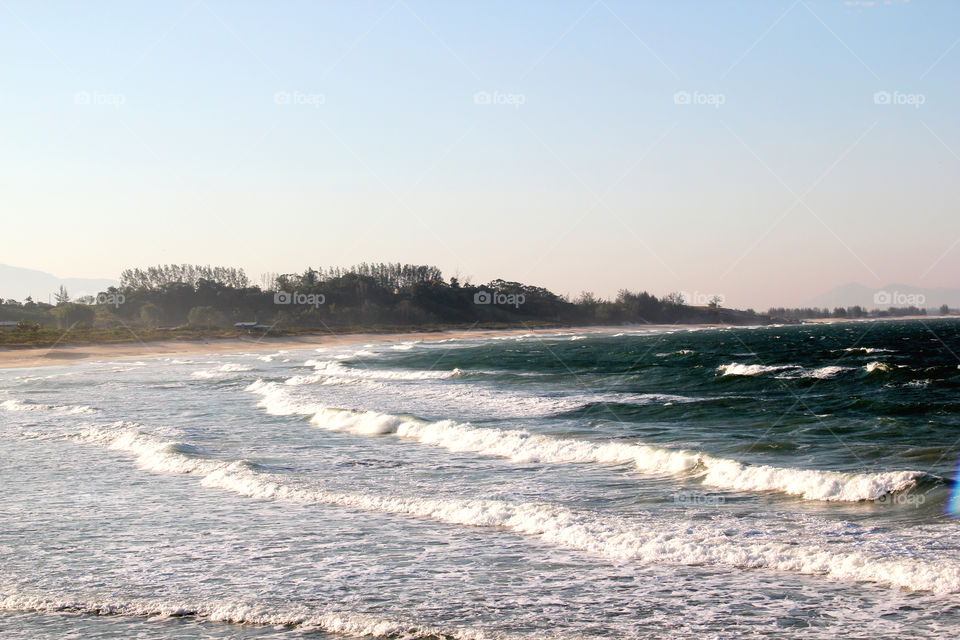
(371,295)
(856,311)
(364,295)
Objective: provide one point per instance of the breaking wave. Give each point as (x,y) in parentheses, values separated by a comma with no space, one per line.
(19,405)
(875,366)
(221,370)
(526,447)
(737,369)
(334,369)
(641,539)
(351,624)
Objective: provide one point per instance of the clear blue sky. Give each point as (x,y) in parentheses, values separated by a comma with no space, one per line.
(274,136)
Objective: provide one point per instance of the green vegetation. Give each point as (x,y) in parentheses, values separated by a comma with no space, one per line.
(856,311)
(193,302)
(35,336)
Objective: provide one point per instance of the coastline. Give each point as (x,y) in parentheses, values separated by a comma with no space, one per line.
(16,358)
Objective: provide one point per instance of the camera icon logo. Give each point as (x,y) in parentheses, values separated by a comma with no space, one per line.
(282,297)
(681,97)
(482,97)
(881,97)
(882,297)
(482,297)
(282,97)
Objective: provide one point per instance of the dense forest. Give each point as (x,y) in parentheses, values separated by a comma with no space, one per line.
(365,295)
(370,296)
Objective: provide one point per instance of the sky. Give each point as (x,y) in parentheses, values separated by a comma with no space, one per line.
(763,152)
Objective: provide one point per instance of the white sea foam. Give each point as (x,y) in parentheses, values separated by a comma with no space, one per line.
(619,539)
(821,373)
(19,405)
(788,372)
(221,370)
(870,367)
(825,372)
(522,446)
(153,453)
(33,378)
(809,484)
(509,403)
(334,369)
(737,369)
(235,612)
(679,352)
(638,398)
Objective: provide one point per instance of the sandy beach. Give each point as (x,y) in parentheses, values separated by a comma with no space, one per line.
(39,357)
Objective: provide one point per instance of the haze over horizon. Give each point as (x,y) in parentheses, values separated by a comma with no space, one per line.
(19,284)
(766,154)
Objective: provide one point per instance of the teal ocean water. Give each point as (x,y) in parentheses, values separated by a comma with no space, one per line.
(786,481)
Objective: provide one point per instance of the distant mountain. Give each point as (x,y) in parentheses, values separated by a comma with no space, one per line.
(18,283)
(891,295)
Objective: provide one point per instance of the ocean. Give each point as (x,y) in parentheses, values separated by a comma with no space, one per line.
(780,481)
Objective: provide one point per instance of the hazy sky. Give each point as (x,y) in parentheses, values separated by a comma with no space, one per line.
(738,148)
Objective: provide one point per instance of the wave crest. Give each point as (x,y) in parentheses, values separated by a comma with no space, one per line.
(525,447)
(738,369)
(19,405)
(344,623)
(611,537)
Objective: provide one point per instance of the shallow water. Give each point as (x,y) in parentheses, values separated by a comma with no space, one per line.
(776,481)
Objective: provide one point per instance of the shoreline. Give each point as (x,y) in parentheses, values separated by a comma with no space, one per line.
(20,358)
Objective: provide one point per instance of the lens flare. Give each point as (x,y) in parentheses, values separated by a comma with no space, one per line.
(953,504)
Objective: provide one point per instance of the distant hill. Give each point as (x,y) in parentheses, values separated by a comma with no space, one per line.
(897,295)
(18,283)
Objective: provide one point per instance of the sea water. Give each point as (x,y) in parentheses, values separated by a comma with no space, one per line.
(783,481)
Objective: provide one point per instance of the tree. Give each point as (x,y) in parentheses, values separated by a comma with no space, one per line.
(70,314)
(205,317)
(151,315)
(586,299)
(268,281)
(944,309)
(153,278)
(61,296)
(674,298)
